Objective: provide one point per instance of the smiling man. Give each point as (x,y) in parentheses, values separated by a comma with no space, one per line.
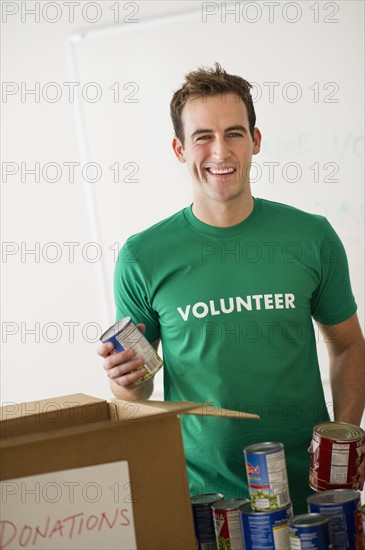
(217,144)
(230,286)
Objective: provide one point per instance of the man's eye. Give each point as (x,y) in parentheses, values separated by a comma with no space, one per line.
(202,138)
(235,134)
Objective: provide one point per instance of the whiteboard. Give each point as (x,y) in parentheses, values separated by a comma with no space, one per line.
(307,65)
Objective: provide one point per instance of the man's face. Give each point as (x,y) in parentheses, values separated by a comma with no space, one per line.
(218,147)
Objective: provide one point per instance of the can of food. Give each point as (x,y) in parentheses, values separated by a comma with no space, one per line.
(309,532)
(227,523)
(342,507)
(265,530)
(336,455)
(124,335)
(267,476)
(203,520)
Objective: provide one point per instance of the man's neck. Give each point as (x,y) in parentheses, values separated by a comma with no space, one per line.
(223,214)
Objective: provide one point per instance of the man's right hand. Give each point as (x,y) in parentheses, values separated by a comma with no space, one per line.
(118,367)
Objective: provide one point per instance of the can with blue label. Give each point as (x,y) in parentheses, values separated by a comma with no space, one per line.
(342,507)
(309,532)
(267,476)
(125,335)
(204,520)
(265,530)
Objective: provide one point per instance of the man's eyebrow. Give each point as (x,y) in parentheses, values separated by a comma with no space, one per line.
(201,131)
(237,127)
(229,129)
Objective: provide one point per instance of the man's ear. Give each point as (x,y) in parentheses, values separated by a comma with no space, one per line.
(256,141)
(178,149)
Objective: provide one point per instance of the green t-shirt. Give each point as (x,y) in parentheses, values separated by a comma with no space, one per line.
(233,307)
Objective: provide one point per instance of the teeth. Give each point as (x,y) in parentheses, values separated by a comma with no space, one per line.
(221,171)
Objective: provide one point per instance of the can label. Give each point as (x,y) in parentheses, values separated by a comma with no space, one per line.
(265,530)
(337,450)
(227,524)
(309,532)
(203,520)
(342,507)
(125,335)
(267,476)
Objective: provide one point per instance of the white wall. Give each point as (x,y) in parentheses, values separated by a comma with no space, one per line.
(67,301)
(61,300)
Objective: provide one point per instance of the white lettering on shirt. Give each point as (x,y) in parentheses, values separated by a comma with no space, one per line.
(184,314)
(256,301)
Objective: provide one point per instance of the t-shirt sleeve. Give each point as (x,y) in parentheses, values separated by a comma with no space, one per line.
(333,300)
(132,294)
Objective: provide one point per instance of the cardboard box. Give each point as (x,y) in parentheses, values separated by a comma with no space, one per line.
(79,472)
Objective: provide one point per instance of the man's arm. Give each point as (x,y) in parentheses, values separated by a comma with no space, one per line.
(345,345)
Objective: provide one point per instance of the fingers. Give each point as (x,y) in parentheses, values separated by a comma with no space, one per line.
(122,367)
(142,328)
(119,367)
(105,349)
(128,380)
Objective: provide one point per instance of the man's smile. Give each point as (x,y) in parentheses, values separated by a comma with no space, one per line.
(220,171)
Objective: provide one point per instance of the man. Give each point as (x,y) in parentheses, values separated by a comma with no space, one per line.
(230,286)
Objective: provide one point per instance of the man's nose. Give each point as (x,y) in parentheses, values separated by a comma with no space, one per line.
(220,150)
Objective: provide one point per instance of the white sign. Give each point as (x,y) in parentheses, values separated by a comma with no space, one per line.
(89,507)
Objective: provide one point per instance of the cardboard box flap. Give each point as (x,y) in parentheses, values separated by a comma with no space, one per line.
(132,410)
(53,413)
(207,409)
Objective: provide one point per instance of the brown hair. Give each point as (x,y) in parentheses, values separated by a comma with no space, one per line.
(208,82)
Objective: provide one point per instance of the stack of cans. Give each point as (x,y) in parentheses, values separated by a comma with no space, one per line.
(334,518)
(342,508)
(336,455)
(217,522)
(264,520)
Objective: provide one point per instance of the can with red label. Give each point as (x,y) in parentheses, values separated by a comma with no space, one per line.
(267,476)
(336,455)
(342,507)
(124,335)
(227,523)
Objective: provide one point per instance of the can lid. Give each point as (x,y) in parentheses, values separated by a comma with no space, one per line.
(306,520)
(230,504)
(206,499)
(247,509)
(115,329)
(340,431)
(333,496)
(266,447)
